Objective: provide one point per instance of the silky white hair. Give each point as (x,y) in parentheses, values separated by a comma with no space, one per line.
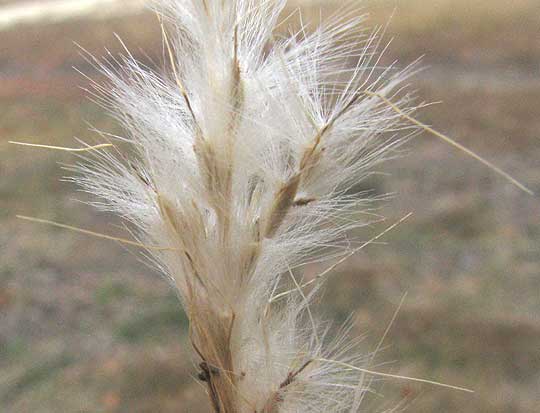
(241,170)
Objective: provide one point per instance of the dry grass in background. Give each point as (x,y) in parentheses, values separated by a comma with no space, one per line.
(85,327)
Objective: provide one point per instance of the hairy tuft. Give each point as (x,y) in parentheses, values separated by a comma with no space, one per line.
(244,157)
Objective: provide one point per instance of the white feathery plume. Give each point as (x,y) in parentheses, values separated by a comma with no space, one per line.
(244,157)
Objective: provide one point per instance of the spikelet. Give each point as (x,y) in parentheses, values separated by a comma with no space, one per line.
(244,160)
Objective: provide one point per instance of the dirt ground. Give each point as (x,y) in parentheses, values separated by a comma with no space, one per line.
(85,326)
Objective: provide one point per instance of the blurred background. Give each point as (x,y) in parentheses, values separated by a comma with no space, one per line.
(86,327)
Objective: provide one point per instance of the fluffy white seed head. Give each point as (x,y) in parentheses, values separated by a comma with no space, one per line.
(244,157)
